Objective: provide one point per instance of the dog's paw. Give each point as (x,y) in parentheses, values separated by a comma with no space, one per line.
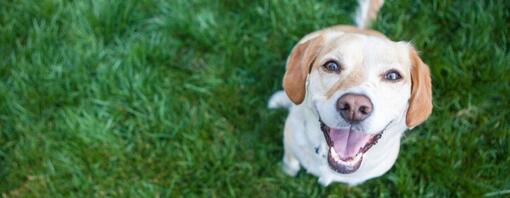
(325,181)
(290,166)
(291,171)
(279,100)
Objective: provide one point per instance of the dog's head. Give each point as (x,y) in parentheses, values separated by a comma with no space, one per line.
(359,84)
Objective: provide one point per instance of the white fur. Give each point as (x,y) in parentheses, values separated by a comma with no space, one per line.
(279,100)
(304,141)
(362,19)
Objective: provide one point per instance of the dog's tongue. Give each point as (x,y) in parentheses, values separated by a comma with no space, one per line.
(347,142)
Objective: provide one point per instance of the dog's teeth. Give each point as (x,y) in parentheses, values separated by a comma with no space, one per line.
(357,157)
(349,163)
(334,154)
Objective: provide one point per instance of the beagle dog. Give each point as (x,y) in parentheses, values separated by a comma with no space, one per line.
(351,94)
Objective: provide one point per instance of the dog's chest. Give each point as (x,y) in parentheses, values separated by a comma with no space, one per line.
(310,146)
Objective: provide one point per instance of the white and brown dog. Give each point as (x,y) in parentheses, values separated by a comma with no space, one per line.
(354,93)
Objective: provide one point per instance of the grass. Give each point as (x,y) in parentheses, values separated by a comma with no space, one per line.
(145,98)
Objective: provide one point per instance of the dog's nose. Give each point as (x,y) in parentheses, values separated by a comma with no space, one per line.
(354,107)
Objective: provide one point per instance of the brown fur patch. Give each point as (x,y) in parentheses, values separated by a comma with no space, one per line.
(298,65)
(352,29)
(353,79)
(373,9)
(371,15)
(420,103)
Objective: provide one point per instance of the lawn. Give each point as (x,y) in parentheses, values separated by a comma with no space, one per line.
(148,98)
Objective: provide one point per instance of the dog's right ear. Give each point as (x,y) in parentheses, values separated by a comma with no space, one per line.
(420,103)
(299,65)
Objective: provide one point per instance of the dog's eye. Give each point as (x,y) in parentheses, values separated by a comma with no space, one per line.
(332,66)
(392,75)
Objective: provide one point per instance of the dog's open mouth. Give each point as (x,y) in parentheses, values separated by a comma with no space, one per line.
(347,147)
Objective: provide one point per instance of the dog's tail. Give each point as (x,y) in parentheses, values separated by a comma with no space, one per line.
(279,100)
(367,12)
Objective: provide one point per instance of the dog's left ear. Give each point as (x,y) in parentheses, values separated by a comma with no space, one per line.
(420,103)
(299,65)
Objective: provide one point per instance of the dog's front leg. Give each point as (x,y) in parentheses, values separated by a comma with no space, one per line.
(290,162)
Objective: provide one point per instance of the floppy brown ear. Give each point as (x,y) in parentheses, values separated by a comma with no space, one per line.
(299,64)
(420,103)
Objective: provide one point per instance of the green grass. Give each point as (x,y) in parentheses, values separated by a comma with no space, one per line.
(146,98)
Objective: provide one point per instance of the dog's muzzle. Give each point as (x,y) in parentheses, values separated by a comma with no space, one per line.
(347,147)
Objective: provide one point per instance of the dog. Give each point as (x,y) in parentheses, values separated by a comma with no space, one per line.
(351,94)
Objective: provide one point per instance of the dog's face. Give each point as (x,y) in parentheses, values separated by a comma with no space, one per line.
(358,85)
